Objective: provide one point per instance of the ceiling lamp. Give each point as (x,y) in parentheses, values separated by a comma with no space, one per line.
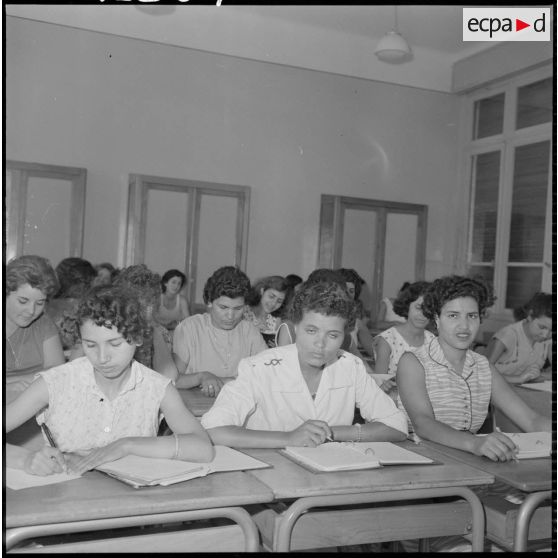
(392,47)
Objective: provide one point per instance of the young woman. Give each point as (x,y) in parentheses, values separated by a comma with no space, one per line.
(173,307)
(105,405)
(305,393)
(264,305)
(518,351)
(446,389)
(32,341)
(410,335)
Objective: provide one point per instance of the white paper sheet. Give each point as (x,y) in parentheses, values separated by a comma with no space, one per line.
(17,479)
(539,386)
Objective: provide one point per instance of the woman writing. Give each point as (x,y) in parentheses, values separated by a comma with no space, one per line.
(173,307)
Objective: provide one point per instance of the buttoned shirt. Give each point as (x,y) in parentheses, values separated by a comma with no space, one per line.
(270,393)
(459,400)
(80,416)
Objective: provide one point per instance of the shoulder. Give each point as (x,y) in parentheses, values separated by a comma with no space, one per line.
(510,330)
(246,328)
(195,322)
(44,325)
(75,370)
(149,375)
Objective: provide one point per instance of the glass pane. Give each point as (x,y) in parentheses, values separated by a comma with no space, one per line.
(485,210)
(489,116)
(530,184)
(534,104)
(523,283)
(485,272)
(166,226)
(47,218)
(359,245)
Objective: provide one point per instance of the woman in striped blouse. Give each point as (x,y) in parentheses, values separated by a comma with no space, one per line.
(446,389)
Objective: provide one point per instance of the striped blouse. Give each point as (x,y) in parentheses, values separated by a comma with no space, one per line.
(458,400)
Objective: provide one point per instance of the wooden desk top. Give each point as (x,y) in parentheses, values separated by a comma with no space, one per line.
(289,480)
(529,475)
(196,401)
(98,496)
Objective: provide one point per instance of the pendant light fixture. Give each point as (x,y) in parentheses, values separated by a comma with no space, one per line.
(392,47)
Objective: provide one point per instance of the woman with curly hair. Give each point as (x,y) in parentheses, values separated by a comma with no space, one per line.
(208,347)
(32,341)
(105,405)
(410,335)
(305,393)
(264,304)
(446,388)
(519,350)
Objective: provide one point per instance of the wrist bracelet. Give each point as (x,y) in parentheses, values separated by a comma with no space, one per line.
(175,456)
(359,432)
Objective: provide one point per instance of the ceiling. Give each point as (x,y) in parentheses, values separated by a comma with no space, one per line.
(335,39)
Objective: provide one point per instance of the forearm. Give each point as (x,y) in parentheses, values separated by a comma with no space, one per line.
(369,432)
(191,447)
(188,381)
(238,436)
(430,429)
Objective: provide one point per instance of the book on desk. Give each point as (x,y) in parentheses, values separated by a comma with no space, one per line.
(351,456)
(140,471)
(531,445)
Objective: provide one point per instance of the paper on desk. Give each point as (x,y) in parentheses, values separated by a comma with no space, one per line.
(539,386)
(17,479)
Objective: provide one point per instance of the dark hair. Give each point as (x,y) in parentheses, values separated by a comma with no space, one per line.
(168,275)
(351,276)
(449,288)
(34,271)
(327,298)
(272,282)
(141,281)
(407,296)
(227,281)
(107,307)
(75,276)
(539,305)
(323,274)
(293,280)
(108,266)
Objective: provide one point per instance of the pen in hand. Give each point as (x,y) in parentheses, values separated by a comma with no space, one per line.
(52,443)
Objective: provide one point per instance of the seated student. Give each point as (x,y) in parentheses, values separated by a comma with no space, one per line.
(172,307)
(446,388)
(387,316)
(208,347)
(305,393)
(264,305)
(75,276)
(32,341)
(105,405)
(519,350)
(410,335)
(106,273)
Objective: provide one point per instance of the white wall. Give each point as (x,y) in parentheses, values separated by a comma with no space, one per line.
(117,106)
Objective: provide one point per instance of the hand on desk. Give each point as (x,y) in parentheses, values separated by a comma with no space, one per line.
(388,385)
(45,461)
(312,433)
(210,385)
(496,446)
(532,373)
(81,463)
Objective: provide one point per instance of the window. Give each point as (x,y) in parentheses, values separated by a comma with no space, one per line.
(509,162)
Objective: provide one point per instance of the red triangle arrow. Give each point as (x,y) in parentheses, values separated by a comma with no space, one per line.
(519,25)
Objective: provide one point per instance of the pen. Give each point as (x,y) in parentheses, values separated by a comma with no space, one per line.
(51,442)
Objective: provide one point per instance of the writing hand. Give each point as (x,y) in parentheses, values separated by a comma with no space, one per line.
(210,384)
(46,461)
(530,374)
(98,456)
(312,433)
(388,385)
(496,446)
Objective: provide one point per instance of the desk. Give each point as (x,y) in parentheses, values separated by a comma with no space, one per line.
(97,502)
(196,401)
(533,476)
(541,401)
(364,524)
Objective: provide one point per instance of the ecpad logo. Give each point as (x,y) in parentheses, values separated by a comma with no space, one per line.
(506,24)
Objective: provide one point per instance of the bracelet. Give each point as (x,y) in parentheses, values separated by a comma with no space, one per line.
(175,456)
(359,431)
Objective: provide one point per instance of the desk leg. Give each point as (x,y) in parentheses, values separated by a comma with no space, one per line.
(526,510)
(238,515)
(282,536)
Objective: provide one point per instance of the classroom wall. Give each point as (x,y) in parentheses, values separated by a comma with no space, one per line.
(117,106)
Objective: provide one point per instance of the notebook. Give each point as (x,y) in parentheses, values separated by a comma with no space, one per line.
(149,471)
(349,456)
(531,444)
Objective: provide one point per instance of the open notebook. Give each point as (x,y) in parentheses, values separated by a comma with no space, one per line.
(148,471)
(531,444)
(348,456)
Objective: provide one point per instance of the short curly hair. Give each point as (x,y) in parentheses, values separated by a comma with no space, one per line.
(141,282)
(227,281)
(407,296)
(108,307)
(75,276)
(324,297)
(449,288)
(351,276)
(35,271)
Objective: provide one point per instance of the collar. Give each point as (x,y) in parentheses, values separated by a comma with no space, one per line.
(436,353)
(136,377)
